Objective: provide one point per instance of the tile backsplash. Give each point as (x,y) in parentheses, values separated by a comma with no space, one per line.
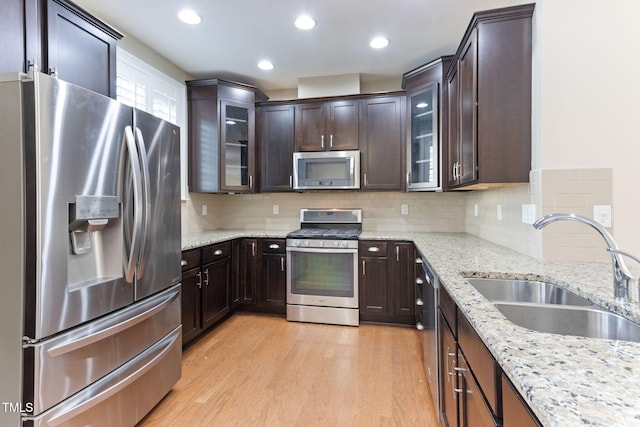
(381,210)
(566,190)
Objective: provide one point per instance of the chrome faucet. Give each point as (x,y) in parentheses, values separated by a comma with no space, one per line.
(622,277)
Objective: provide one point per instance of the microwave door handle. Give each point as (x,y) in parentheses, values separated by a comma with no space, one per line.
(146,200)
(131,258)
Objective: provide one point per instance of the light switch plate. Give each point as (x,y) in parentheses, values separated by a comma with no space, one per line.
(475,209)
(499,212)
(404,209)
(528,214)
(276,209)
(602,215)
(204,210)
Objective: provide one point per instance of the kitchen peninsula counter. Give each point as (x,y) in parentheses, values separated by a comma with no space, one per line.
(566,380)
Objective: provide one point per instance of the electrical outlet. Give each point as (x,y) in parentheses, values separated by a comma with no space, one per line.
(475,209)
(528,214)
(602,215)
(404,209)
(204,210)
(499,212)
(276,210)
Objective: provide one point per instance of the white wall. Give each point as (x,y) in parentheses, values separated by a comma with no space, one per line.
(587,57)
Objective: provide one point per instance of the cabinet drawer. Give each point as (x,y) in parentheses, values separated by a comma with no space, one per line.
(483,366)
(373,249)
(448,309)
(191,259)
(475,411)
(273,246)
(214,252)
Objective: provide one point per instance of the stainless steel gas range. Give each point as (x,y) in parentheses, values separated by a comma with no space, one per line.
(322,267)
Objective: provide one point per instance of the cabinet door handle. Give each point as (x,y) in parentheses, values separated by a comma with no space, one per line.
(250,181)
(322,141)
(274,246)
(290,181)
(282,263)
(364,268)
(408,179)
(365,179)
(458,369)
(199,282)
(331,141)
(398,253)
(218,252)
(419,281)
(419,302)
(253,248)
(374,249)
(183,263)
(206,277)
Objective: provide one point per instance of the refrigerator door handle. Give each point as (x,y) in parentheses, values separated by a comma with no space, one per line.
(134,252)
(146,200)
(132,319)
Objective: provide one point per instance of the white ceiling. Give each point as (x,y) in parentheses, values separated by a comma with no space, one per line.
(235,35)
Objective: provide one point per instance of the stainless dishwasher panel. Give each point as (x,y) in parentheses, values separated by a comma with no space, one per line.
(123,397)
(430,342)
(61,366)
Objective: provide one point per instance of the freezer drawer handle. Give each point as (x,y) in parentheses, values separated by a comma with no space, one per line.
(112,389)
(112,330)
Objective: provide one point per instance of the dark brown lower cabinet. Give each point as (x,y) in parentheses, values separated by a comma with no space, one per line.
(272,287)
(448,375)
(260,275)
(245,261)
(387,284)
(206,281)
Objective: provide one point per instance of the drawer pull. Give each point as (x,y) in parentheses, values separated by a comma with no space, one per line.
(274,246)
(418,260)
(419,302)
(419,326)
(183,263)
(218,252)
(419,281)
(374,249)
(458,369)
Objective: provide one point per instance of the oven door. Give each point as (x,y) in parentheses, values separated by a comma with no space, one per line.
(322,277)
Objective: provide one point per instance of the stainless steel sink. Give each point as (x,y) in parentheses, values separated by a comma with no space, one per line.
(526,291)
(593,322)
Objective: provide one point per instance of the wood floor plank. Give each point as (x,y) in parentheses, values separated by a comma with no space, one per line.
(256,370)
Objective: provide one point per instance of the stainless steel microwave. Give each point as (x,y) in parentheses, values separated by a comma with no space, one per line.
(337,170)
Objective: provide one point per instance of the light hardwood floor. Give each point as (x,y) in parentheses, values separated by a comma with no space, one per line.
(256,370)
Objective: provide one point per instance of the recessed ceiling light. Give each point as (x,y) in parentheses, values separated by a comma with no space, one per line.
(422,105)
(265,65)
(305,22)
(189,16)
(379,42)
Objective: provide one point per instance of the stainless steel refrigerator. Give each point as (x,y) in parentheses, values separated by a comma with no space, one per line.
(90,329)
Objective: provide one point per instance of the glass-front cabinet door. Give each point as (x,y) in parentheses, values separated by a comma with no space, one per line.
(423,151)
(237,124)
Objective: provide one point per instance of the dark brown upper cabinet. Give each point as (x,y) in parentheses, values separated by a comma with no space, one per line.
(327,126)
(59,38)
(275,130)
(222,136)
(382,130)
(489,94)
(426,106)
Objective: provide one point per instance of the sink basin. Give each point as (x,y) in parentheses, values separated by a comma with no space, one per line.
(526,291)
(592,322)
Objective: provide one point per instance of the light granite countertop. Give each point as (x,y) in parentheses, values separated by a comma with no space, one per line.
(566,380)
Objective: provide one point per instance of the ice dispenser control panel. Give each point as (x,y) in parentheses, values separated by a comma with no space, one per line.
(88,214)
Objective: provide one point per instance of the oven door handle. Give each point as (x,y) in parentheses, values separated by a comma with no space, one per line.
(324,250)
